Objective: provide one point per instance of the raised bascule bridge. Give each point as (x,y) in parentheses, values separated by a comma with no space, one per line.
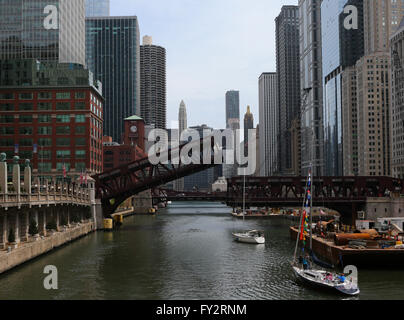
(347,195)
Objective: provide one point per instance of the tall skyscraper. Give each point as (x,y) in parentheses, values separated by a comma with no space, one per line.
(97,8)
(397,108)
(153,105)
(288,71)
(113,55)
(269,124)
(248,125)
(183,125)
(311,86)
(332,94)
(43,30)
(233,110)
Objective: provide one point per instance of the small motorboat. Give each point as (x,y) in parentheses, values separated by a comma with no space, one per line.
(253,237)
(327,280)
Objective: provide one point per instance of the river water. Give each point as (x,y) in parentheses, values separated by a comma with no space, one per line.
(185,252)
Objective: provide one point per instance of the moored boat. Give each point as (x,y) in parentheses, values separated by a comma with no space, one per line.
(253,237)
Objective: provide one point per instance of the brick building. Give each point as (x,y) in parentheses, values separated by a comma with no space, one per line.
(51,114)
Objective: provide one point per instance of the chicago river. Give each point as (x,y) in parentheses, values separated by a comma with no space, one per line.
(185,252)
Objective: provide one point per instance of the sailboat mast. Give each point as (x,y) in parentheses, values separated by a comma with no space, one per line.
(311,209)
(244,196)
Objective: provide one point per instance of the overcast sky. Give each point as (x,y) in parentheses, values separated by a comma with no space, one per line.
(212,46)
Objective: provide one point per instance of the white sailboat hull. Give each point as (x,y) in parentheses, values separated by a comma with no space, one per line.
(245,238)
(317,278)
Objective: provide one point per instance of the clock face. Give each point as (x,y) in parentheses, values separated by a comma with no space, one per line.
(133,129)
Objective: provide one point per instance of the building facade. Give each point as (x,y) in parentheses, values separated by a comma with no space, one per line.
(233,110)
(288,71)
(397,101)
(44,30)
(183,125)
(97,8)
(269,124)
(113,55)
(311,86)
(51,114)
(153,104)
(248,125)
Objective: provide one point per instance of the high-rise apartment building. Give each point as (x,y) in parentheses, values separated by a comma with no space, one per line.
(153,105)
(288,71)
(397,102)
(233,110)
(113,55)
(311,86)
(269,124)
(43,30)
(97,8)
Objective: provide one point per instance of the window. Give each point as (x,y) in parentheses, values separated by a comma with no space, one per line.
(80,130)
(45,95)
(80,95)
(63,106)
(80,154)
(7,96)
(44,166)
(26,107)
(63,142)
(6,107)
(80,106)
(62,95)
(62,130)
(80,118)
(25,155)
(6,119)
(80,141)
(25,143)
(63,154)
(44,154)
(26,96)
(26,130)
(59,166)
(6,142)
(26,118)
(63,118)
(44,118)
(45,142)
(80,166)
(44,106)
(6,130)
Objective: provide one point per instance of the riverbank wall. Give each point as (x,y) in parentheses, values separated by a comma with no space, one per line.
(36,247)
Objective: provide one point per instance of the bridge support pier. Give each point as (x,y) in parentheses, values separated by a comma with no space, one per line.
(3,230)
(14,223)
(42,222)
(98,215)
(24,225)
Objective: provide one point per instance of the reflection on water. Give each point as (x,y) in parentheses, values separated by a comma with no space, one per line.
(182,254)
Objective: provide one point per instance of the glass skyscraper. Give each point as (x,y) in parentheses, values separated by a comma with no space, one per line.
(43,30)
(97,8)
(113,55)
(232,109)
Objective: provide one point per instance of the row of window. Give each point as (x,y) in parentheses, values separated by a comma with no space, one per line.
(60,118)
(43,131)
(47,166)
(43,142)
(42,95)
(43,106)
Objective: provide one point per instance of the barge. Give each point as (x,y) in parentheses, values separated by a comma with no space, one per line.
(365,257)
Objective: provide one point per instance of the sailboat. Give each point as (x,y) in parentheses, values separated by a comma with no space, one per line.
(303,266)
(252,236)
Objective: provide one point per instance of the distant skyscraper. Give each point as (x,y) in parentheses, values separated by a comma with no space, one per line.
(183,125)
(269,124)
(311,85)
(288,71)
(233,110)
(113,54)
(397,112)
(248,124)
(153,105)
(43,30)
(97,8)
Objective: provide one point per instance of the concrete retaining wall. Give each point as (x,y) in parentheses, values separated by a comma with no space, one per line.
(31,250)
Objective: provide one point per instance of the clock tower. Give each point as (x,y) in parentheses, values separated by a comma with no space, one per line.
(134,132)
